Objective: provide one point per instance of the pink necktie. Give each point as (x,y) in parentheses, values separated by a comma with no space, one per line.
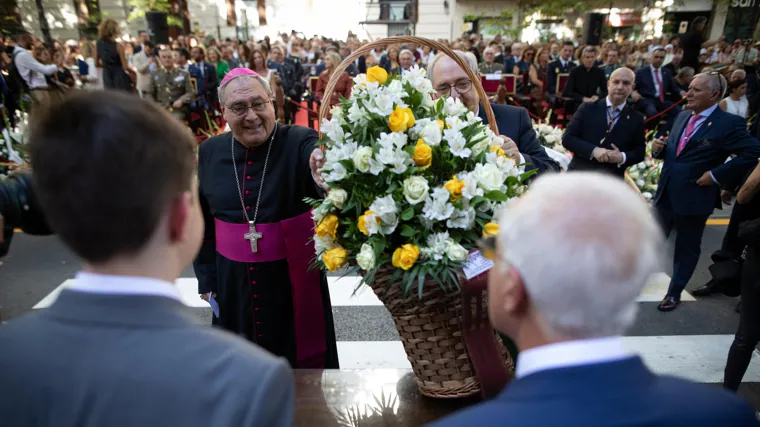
(687,133)
(659,83)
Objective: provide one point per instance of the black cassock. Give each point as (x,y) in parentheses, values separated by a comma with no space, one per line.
(270,297)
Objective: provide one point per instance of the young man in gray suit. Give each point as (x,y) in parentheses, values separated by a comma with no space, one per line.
(115,176)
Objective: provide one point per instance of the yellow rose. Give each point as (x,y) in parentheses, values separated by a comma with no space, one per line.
(401,119)
(362,222)
(335,258)
(328,226)
(440,124)
(491,229)
(423,154)
(455,188)
(405,256)
(496,149)
(377,74)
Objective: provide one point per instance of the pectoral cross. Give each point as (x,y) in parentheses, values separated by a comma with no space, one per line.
(253,236)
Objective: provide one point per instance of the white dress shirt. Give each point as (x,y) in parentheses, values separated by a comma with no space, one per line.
(31,70)
(123,285)
(702,118)
(569,354)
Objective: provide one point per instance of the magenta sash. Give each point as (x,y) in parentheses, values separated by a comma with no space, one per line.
(287,239)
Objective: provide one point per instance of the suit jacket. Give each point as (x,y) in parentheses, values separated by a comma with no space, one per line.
(621,394)
(585,83)
(513,122)
(720,135)
(645,83)
(553,70)
(509,64)
(141,63)
(135,360)
(588,127)
(207,83)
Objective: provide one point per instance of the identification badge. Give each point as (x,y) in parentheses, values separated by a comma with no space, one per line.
(476,264)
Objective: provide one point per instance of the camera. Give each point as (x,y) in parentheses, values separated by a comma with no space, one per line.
(20,209)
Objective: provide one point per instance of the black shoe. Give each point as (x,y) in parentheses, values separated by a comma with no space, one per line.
(707,289)
(669,303)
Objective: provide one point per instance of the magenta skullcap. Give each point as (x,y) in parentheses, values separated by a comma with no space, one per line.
(237,72)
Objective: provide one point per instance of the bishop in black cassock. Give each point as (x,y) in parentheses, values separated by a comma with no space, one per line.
(261,279)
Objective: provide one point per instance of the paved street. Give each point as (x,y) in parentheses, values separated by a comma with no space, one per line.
(691,342)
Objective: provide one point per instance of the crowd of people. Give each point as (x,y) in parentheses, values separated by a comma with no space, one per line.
(566,316)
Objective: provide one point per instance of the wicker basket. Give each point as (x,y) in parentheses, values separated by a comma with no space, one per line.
(431,327)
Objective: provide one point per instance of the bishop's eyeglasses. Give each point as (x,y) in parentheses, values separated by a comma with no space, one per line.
(242,109)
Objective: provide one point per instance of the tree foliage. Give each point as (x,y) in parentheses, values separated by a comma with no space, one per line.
(140,7)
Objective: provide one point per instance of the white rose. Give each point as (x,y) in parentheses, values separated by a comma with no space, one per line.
(488,176)
(432,134)
(416,189)
(337,197)
(336,172)
(456,252)
(647,195)
(361,159)
(366,257)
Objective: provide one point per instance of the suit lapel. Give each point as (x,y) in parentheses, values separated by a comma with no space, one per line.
(677,131)
(704,127)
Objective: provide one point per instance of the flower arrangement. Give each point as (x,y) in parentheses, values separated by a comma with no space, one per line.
(414,182)
(645,176)
(13,142)
(551,138)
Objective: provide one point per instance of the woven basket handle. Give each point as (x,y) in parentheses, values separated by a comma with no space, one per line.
(325,108)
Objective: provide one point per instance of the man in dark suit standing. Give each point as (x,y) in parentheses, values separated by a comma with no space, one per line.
(607,135)
(207,78)
(119,347)
(520,140)
(695,170)
(654,87)
(562,65)
(586,82)
(565,287)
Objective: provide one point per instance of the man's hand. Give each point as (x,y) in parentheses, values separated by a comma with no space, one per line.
(614,155)
(657,145)
(205,296)
(588,99)
(600,154)
(727,197)
(316,162)
(177,104)
(635,96)
(510,148)
(705,180)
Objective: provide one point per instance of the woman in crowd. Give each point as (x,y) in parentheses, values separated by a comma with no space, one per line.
(64,75)
(526,67)
(342,89)
(258,63)
(736,102)
(244,52)
(390,61)
(110,57)
(221,67)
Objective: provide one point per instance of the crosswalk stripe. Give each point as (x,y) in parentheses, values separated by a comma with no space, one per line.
(342,292)
(699,358)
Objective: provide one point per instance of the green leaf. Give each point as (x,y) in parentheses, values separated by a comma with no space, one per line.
(421,281)
(407,214)
(409,277)
(407,231)
(497,196)
(477,200)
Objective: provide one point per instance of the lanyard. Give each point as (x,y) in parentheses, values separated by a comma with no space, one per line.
(611,117)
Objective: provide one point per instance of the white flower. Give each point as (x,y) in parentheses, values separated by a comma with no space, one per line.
(337,115)
(480,146)
(506,165)
(361,159)
(366,257)
(471,188)
(454,107)
(340,152)
(457,143)
(455,124)
(381,104)
(438,243)
(393,139)
(401,162)
(640,182)
(375,167)
(456,252)
(647,195)
(371,224)
(437,206)
(416,189)
(336,172)
(322,244)
(473,118)
(462,218)
(386,209)
(337,196)
(396,92)
(488,176)
(334,131)
(357,114)
(431,134)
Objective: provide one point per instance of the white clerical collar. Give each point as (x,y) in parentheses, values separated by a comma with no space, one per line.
(617,107)
(123,285)
(571,353)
